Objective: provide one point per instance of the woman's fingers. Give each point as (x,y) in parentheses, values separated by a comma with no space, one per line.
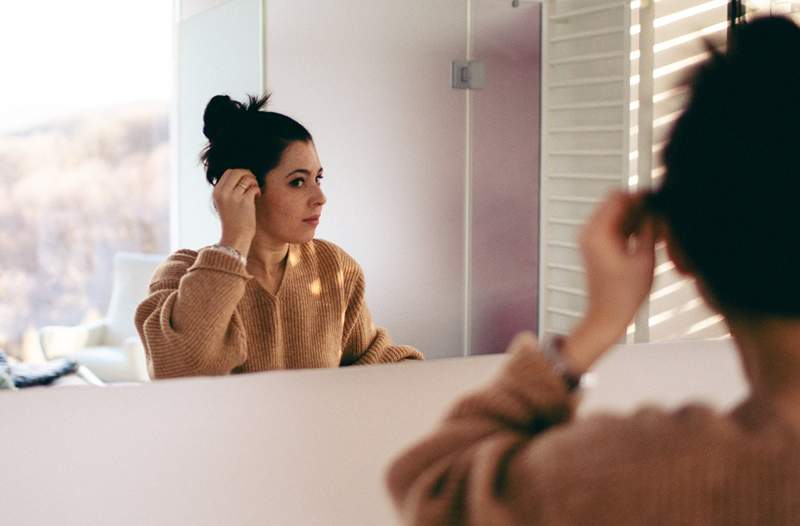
(234,198)
(236,179)
(243,186)
(252,191)
(618,249)
(227,180)
(619,218)
(606,224)
(247,180)
(635,214)
(646,236)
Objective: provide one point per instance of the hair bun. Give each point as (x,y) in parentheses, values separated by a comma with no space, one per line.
(221,111)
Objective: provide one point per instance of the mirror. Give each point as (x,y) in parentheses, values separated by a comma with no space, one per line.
(433,190)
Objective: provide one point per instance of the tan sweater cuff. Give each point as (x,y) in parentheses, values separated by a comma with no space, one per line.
(531,373)
(527,395)
(209,259)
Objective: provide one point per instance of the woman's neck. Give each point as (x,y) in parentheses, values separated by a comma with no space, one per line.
(266,255)
(770,351)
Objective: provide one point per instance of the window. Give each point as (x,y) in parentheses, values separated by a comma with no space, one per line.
(84,155)
(678,30)
(601,61)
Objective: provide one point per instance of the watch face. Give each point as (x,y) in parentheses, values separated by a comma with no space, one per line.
(230,251)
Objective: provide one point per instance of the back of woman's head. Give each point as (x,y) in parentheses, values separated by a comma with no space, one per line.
(729,196)
(242,136)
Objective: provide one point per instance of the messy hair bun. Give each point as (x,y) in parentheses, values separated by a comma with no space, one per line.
(242,136)
(223,113)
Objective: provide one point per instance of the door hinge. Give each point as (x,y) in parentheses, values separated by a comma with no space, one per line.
(468,74)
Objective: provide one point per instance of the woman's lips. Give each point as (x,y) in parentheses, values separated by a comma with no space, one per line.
(314,220)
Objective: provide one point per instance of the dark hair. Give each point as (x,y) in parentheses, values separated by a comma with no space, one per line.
(242,136)
(730,193)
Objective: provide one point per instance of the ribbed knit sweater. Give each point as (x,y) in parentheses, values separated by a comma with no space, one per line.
(511,454)
(206,315)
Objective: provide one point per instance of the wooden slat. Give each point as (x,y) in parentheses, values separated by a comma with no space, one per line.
(588,87)
(584,11)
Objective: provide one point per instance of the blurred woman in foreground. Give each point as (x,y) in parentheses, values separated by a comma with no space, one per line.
(513,454)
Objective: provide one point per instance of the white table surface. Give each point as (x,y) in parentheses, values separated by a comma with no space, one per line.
(283,448)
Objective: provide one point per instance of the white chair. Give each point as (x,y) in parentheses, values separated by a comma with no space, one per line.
(110,347)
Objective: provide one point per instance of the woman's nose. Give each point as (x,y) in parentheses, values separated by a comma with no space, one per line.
(319,198)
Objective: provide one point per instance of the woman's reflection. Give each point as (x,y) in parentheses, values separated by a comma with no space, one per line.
(268,295)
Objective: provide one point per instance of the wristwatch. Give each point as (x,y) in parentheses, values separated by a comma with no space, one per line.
(551,347)
(228,250)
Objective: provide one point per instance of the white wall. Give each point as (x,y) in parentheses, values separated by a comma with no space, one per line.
(390,132)
(219,51)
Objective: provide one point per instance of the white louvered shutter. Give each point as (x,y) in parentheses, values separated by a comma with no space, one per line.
(585,140)
(677,30)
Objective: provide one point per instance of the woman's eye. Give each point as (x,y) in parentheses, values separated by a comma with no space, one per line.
(297,183)
(319,179)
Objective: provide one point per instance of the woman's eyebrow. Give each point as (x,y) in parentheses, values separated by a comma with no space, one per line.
(302,171)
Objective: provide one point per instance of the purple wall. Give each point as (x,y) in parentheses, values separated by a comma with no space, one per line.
(505,191)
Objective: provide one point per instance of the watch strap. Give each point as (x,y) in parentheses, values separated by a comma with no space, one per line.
(228,250)
(551,347)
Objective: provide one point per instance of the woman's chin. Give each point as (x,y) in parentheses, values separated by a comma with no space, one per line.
(305,237)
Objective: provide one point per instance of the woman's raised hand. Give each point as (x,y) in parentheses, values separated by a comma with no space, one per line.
(618,247)
(234,198)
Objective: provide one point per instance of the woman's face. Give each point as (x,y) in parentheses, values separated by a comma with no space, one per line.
(291,202)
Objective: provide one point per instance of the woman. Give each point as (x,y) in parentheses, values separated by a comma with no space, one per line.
(512,454)
(268,295)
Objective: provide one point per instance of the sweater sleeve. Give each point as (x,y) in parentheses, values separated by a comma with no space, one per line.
(510,455)
(189,323)
(362,342)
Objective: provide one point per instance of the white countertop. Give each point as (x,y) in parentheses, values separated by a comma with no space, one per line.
(282,448)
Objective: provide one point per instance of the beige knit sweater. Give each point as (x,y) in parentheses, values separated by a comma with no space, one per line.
(511,454)
(205,315)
